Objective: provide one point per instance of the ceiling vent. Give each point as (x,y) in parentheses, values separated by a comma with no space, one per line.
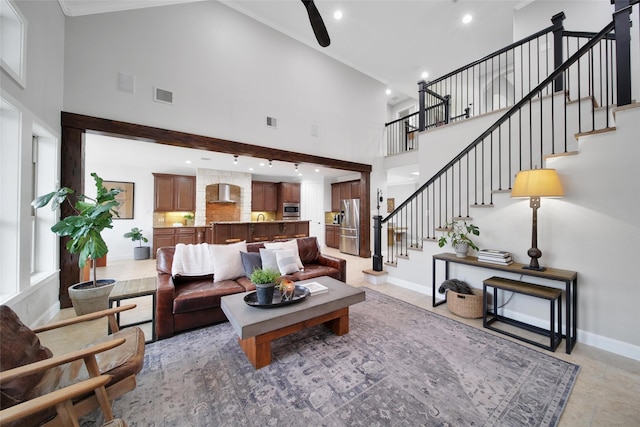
(272,122)
(161,95)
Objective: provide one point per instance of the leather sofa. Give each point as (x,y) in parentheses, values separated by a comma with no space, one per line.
(184,303)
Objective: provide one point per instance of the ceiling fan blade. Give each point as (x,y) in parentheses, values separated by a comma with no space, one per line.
(317,24)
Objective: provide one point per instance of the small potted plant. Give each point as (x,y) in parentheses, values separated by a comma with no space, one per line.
(139,252)
(265,281)
(458,232)
(93,215)
(188,219)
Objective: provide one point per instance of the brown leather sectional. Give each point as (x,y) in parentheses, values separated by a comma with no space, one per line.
(184,303)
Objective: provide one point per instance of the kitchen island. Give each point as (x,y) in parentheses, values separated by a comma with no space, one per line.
(257,231)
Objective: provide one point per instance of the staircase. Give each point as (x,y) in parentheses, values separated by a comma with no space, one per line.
(577,98)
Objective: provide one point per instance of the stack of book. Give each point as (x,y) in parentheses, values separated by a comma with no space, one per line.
(494,256)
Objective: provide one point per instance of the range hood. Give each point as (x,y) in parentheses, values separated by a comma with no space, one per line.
(224,194)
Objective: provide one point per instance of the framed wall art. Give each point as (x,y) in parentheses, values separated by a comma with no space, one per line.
(125,198)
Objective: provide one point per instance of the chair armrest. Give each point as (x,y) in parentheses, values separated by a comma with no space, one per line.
(54,398)
(88,354)
(110,313)
(335,262)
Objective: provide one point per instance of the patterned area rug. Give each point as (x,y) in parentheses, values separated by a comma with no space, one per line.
(399,365)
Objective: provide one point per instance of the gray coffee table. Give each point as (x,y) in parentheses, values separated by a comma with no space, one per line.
(257,327)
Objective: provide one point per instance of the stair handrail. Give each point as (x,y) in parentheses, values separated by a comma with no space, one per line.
(534,92)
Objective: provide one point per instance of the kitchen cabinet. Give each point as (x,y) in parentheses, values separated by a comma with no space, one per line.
(332,236)
(174,193)
(171,236)
(264,196)
(288,192)
(261,231)
(343,191)
(228,232)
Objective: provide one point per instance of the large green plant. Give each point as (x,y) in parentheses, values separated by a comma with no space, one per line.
(84,228)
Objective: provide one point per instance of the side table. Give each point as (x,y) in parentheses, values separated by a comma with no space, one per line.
(127,289)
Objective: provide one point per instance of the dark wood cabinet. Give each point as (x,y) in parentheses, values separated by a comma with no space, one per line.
(174,193)
(172,236)
(264,196)
(343,191)
(258,231)
(332,235)
(289,192)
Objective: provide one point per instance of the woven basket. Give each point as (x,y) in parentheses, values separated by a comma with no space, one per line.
(465,305)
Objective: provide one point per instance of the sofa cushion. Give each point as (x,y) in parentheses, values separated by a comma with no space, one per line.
(311,271)
(308,249)
(268,259)
(286,261)
(227,262)
(250,262)
(203,294)
(20,346)
(290,244)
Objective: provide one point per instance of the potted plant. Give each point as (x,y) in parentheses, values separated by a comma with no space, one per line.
(93,215)
(458,232)
(139,252)
(265,281)
(188,219)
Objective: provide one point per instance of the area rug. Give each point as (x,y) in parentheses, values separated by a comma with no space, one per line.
(399,365)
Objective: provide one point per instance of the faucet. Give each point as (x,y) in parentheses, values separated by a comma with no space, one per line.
(259,215)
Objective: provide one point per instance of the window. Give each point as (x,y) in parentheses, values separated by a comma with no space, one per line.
(13,35)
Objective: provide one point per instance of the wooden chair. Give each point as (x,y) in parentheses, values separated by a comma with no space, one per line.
(62,400)
(31,371)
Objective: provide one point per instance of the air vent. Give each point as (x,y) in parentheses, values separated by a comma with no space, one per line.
(126,83)
(272,122)
(161,95)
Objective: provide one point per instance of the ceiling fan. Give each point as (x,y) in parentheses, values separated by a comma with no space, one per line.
(317,24)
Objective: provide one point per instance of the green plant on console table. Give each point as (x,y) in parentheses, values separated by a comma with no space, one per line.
(458,232)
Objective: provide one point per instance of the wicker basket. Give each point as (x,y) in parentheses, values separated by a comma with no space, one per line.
(465,305)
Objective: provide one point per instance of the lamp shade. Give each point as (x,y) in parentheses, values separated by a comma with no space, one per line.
(537,183)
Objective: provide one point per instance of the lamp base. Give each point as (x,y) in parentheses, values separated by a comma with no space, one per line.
(528,267)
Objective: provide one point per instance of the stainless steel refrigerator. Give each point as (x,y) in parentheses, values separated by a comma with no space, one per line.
(350,226)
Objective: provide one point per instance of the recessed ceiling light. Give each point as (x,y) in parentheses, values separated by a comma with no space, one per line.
(250,169)
(261,163)
(466,19)
(415,173)
(317,170)
(425,74)
(188,162)
(337,15)
(388,91)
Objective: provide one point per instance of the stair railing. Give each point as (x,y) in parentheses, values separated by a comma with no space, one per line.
(490,162)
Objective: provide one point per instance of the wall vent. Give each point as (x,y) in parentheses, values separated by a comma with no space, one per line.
(272,122)
(126,83)
(161,95)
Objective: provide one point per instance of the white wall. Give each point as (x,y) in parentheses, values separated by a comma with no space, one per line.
(39,104)
(227,73)
(592,230)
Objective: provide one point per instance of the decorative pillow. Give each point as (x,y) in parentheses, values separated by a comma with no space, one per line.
(227,262)
(289,244)
(286,261)
(20,346)
(250,262)
(268,258)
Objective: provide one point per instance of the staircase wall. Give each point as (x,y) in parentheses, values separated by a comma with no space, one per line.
(592,230)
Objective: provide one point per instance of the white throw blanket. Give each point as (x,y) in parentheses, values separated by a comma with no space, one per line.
(192,260)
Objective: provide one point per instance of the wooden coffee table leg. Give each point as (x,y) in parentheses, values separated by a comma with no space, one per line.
(257,349)
(339,325)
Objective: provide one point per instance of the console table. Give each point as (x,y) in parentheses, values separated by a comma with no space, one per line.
(569,278)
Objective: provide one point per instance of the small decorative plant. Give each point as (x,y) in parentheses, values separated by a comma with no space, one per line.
(267,276)
(188,218)
(458,232)
(84,228)
(136,236)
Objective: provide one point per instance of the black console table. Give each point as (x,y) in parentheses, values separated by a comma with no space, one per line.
(569,278)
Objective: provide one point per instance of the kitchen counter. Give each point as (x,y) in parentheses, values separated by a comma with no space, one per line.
(258,231)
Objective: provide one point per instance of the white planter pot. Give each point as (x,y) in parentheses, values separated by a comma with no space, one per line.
(87,299)
(462,249)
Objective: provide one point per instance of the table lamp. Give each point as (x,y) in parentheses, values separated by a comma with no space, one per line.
(536,183)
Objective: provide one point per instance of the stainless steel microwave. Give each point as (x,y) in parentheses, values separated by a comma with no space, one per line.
(290,210)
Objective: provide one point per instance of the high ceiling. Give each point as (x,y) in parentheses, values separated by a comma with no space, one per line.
(392,41)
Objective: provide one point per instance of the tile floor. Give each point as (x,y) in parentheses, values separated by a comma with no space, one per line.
(606,393)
